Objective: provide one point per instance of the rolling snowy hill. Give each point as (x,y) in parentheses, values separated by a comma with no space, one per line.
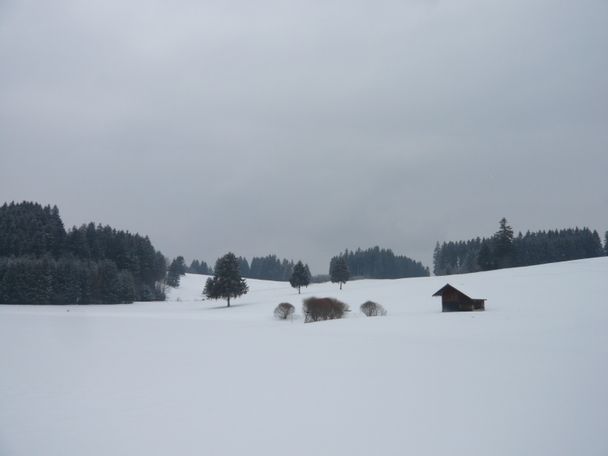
(191,377)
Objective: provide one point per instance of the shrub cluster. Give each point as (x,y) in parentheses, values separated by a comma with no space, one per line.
(373,309)
(316,309)
(284,311)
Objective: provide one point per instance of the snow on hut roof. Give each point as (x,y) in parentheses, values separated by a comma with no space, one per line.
(472,292)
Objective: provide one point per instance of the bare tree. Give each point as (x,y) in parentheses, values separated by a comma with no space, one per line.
(373,309)
(284,311)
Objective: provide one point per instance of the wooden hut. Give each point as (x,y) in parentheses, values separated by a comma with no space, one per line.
(453,300)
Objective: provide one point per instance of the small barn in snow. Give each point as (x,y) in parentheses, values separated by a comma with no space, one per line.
(454,300)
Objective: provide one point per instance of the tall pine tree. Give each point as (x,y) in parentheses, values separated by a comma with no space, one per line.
(503,245)
(226,282)
(338,270)
(300,277)
(177,268)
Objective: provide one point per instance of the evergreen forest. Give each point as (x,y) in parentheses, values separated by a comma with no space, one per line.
(42,263)
(377,263)
(504,249)
(199,267)
(268,267)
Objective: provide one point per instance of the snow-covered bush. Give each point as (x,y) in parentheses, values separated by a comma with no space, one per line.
(316,309)
(373,309)
(284,311)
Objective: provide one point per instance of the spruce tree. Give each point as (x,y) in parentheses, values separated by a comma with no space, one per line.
(198,267)
(126,287)
(300,277)
(226,282)
(595,246)
(308,271)
(109,286)
(338,270)
(503,245)
(194,267)
(244,267)
(176,269)
(437,266)
(485,258)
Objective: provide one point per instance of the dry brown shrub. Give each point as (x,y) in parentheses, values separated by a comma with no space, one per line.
(317,309)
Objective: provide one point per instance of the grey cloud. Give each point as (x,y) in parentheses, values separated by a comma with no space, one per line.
(304,128)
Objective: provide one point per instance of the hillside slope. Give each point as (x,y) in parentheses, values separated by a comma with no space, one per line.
(191,377)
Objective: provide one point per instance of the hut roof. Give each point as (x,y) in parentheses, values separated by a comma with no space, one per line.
(447,287)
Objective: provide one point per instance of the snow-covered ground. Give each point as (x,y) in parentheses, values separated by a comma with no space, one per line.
(188,377)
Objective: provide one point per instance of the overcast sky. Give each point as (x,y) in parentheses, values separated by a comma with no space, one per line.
(302,128)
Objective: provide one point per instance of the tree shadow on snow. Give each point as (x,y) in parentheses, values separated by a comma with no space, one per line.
(224,306)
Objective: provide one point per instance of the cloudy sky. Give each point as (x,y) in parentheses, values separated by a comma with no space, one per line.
(302,128)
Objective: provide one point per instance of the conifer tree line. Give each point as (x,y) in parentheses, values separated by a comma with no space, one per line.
(377,263)
(268,267)
(42,263)
(504,249)
(227,281)
(199,267)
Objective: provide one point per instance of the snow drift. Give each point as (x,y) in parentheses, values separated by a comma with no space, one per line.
(191,377)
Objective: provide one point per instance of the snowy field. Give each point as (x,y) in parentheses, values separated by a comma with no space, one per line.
(188,377)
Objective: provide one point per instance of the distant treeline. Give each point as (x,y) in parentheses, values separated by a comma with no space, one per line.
(377,263)
(199,267)
(504,250)
(42,263)
(268,267)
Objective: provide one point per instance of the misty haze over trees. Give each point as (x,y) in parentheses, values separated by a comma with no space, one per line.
(199,267)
